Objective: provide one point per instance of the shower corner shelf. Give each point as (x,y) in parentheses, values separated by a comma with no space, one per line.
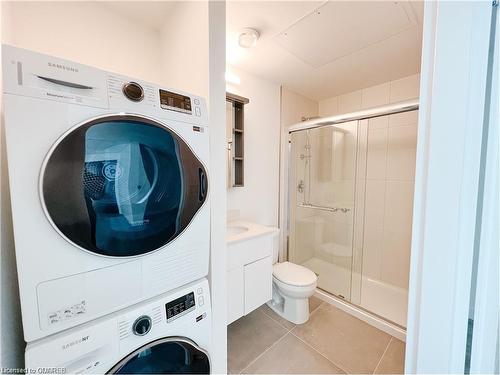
(237,151)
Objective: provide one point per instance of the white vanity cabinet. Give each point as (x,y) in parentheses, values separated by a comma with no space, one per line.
(250,251)
(258,280)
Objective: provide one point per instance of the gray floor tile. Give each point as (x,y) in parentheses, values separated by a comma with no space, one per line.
(314,303)
(352,344)
(269,312)
(249,337)
(393,361)
(292,356)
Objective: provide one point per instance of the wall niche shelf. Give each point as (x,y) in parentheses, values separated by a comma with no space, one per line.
(235,111)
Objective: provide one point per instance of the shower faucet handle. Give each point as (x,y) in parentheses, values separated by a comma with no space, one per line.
(300,186)
(344,210)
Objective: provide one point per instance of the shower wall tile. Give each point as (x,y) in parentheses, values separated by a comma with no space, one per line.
(349,157)
(376,95)
(396,258)
(375,196)
(359,216)
(359,213)
(405,88)
(329,107)
(378,122)
(373,228)
(390,171)
(362,144)
(376,154)
(397,232)
(401,152)
(372,249)
(339,235)
(306,233)
(404,118)
(389,92)
(350,102)
(398,209)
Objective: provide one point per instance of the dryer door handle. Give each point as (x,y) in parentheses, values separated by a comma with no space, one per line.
(202,184)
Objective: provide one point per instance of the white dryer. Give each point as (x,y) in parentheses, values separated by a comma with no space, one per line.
(167,335)
(108,180)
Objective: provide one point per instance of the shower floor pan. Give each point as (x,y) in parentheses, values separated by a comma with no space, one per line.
(383,299)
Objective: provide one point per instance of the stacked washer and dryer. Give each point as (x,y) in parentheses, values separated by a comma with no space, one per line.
(108,184)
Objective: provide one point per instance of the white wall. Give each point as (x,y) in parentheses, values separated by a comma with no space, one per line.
(258,200)
(184,40)
(86,32)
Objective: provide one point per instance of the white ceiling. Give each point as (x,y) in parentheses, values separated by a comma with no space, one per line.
(323,49)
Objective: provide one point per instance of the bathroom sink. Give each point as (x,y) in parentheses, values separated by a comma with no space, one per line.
(240,230)
(234,230)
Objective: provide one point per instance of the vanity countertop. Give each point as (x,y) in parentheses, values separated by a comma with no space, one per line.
(241,230)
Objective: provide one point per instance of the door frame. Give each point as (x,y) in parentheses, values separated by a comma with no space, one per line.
(485,309)
(456,38)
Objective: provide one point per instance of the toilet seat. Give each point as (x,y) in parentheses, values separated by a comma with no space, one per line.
(294,274)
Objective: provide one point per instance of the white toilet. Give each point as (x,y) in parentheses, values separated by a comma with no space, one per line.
(292,286)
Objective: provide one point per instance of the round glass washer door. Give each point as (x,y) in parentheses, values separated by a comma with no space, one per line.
(122,185)
(170,355)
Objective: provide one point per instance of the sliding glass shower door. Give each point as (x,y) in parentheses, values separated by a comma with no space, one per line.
(322,193)
(351,205)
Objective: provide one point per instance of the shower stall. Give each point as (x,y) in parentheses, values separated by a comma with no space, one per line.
(350,198)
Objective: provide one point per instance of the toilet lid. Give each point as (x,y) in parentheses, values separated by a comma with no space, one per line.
(293,274)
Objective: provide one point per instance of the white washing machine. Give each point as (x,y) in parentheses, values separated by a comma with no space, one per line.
(167,335)
(108,184)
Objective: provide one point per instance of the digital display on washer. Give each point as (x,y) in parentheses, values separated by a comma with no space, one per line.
(180,306)
(175,102)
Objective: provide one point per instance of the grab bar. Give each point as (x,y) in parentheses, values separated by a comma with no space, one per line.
(324,208)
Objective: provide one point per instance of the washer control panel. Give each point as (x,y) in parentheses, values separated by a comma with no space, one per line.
(180,306)
(175,102)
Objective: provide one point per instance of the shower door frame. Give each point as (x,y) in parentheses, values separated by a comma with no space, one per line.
(286,188)
(399,107)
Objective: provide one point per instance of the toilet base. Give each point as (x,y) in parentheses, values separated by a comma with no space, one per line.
(295,310)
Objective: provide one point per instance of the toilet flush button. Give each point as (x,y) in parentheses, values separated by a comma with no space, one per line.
(201,301)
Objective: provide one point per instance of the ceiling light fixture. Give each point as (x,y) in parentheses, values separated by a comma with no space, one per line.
(248,38)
